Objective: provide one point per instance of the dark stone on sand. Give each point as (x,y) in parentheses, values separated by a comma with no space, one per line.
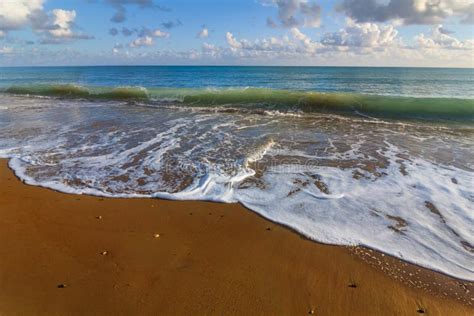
(61,286)
(420,311)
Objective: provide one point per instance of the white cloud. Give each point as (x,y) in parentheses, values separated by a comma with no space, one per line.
(308,44)
(440,39)
(160,34)
(234,44)
(211,50)
(142,41)
(363,35)
(6,50)
(62,21)
(299,35)
(273,47)
(204,33)
(16,14)
(208,47)
(56,26)
(146,37)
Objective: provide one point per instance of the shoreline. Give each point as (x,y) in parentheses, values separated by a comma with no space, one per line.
(208,258)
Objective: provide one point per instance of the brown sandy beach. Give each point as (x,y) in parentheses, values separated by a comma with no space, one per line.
(67,254)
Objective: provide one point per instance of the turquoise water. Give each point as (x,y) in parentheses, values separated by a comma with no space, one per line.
(381,157)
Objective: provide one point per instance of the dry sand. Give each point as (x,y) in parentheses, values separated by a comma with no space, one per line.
(67,254)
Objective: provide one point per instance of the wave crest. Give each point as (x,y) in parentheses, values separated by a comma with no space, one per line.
(268,99)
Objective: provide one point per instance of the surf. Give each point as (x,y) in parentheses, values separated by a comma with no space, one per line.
(266,100)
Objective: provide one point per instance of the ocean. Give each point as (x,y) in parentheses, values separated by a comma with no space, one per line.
(379,157)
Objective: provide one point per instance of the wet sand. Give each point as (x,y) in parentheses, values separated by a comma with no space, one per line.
(66,254)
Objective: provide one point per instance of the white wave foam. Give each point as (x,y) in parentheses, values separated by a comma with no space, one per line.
(358,212)
(259,153)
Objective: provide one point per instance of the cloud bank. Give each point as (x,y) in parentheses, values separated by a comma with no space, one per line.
(408,11)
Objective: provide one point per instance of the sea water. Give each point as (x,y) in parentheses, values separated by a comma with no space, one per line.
(380,157)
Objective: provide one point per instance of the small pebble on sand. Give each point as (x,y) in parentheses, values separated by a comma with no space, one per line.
(104,253)
(156,235)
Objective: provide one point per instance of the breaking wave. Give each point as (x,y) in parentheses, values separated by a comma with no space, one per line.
(267,99)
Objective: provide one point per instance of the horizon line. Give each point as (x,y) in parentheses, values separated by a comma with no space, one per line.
(207,65)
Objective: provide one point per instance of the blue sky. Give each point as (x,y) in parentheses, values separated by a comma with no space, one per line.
(244,32)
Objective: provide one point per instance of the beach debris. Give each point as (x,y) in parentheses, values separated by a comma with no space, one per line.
(104,253)
(421,310)
(268,228)
(61,286)
(99,217)
(311,311)
(156,235)
(352,284)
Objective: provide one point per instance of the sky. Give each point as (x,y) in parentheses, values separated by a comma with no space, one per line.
(423,33)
